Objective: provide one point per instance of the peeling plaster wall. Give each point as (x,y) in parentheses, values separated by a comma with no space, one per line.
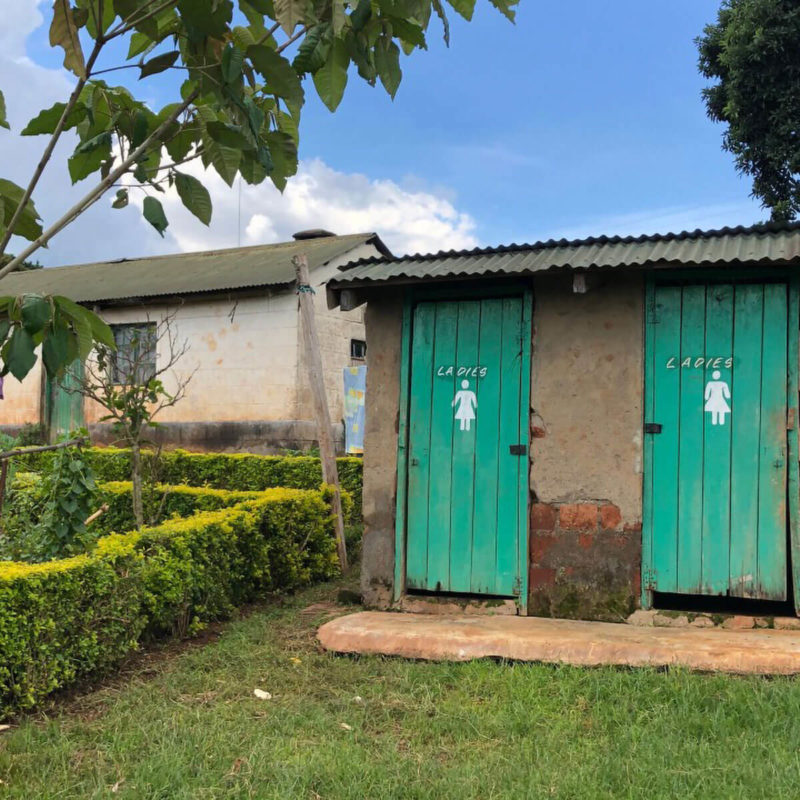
(22,400)
(243,352)
(384,319)
(587,392)
(586,448)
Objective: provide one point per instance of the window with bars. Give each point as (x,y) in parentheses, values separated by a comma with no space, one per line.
(134,361)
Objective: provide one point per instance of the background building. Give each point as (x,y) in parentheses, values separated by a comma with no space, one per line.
(237,309)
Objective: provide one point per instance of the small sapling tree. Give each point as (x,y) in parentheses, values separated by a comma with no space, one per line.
(134,384)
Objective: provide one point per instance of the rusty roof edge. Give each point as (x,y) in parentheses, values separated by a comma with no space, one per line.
(759,230)
(364,282)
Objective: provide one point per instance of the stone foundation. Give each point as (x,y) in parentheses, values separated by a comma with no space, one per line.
(584,562)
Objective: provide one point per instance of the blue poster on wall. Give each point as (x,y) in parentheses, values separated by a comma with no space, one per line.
(355,391)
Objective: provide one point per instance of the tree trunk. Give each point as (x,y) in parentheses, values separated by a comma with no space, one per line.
(136,478)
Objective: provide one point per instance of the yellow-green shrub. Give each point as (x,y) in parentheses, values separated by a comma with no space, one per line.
(162,501)
(65,619)
(234,471)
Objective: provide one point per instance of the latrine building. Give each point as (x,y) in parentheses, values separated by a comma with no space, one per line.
(577,428)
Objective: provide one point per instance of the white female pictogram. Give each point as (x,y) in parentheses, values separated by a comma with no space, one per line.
(467,402)
(716,396)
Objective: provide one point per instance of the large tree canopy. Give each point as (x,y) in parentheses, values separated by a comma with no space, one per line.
(753,54)
(240,85)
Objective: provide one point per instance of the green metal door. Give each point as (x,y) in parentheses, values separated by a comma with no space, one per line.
(717,376)
(63,403)
(467,446)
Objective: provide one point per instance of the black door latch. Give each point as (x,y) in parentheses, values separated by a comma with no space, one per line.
(517,449)
(652,427)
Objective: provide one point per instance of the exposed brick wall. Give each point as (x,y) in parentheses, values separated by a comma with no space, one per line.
(584,561)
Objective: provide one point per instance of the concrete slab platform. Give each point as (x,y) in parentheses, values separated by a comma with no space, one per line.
(464,637)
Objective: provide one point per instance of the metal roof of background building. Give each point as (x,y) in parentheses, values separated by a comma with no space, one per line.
(185,273)
(768,244)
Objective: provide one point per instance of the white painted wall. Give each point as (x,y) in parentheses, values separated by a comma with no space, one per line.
(246,353)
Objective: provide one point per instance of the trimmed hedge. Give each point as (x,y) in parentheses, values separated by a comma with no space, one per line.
(234,471)
(62,620)
(170,501)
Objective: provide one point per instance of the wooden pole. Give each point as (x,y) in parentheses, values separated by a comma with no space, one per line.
(316,380)
(3,478)
(26,451)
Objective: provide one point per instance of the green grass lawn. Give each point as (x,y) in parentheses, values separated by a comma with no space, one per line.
(184,723)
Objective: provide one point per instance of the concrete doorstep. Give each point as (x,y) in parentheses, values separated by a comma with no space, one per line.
(559,641)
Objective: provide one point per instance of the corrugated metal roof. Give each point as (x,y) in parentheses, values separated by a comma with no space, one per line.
(184,273)
(769,244)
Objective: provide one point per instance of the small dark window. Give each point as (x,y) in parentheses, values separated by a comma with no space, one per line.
(358,349)
(134,362)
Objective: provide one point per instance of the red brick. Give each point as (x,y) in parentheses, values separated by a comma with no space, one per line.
(537,432)
(543,517)
(610,518)
(636,582)
(582,516)
(585,540)
(542,576)
(541,542)
(632,527)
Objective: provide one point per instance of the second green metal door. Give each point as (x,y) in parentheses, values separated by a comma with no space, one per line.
(718,391)
(467,448)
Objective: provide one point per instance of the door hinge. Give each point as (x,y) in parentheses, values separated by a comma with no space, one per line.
(517,449)
(652,427)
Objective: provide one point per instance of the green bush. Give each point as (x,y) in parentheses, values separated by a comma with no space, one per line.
(235,471)
(44,518)
(164,501)
(65,619)
(160,502)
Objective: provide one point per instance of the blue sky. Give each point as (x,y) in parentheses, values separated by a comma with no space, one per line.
(583,118)
(582,112)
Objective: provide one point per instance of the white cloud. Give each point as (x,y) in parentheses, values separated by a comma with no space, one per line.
(319,197)
(408,219)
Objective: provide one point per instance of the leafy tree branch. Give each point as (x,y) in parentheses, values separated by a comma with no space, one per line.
(246,66)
